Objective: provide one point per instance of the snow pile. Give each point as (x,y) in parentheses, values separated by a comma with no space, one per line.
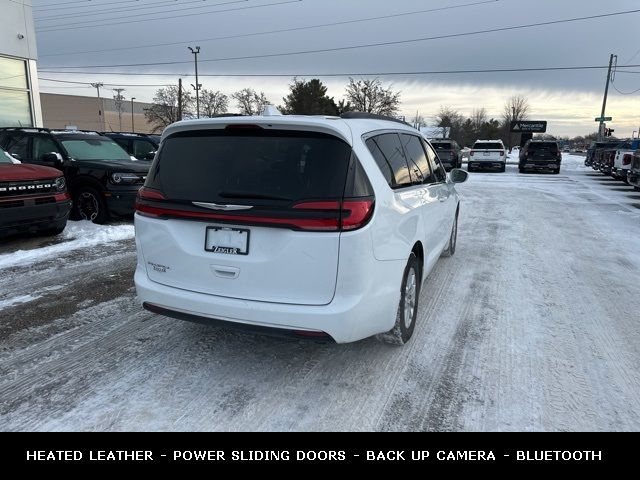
(77,235)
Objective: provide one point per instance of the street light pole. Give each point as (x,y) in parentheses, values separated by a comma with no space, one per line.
(197,86)
(133,128)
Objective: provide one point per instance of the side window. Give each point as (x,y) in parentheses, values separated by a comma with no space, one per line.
(19,146)
(123,142)
(438,170)
(142,148)
(418,162)
(42,145)
(388,153)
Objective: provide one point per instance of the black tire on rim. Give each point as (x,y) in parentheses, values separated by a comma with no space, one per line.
(88,204)
(408,306)
(453,239)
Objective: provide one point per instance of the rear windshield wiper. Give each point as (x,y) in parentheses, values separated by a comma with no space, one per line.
(257,196)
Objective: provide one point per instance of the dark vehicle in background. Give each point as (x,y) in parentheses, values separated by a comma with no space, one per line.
(138,145)
(633,175)
(33,198)
(606,155)
(101,177)
(448,152)
(540,155)
(591,153)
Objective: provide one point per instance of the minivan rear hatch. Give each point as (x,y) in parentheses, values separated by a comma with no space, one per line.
(251,213)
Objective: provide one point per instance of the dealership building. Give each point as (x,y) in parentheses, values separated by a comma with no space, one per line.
(19,91)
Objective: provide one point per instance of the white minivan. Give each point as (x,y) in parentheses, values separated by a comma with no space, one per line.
(311,226)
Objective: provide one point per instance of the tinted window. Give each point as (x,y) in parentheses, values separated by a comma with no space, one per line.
(488,146)
(256,168)
(417,158)
(5,157)
(123,142)
(543,146)
(441,145)
(42,145)
(19,146)
(390,158)
(438,170)
(142,148)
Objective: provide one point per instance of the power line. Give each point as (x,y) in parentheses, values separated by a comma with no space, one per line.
(77,23)
(284,30)
(107,84)
(355,74)
(71,27)
(50,7)
(146,6)
(369,45)
(623,93)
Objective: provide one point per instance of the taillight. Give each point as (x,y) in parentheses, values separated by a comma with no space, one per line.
(501,152)
(471,153)
(348,215)
(626,160)
(150,194)
(60,197)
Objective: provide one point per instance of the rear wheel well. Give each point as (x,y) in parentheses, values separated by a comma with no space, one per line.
(418,251)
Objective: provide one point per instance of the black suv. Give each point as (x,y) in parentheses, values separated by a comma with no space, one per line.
(102,178)
(140,145)
(448,152)
(540,155)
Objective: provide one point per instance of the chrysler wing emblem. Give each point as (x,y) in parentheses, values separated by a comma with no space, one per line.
(217,206)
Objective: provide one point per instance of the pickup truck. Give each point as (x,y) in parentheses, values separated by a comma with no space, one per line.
(623,158)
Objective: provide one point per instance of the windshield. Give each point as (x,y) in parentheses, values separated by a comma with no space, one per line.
(488,146)
(5,157)
(94,149)
(441,146)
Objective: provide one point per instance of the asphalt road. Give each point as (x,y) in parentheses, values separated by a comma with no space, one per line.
(532,325)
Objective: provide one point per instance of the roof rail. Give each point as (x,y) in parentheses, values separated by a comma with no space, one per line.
(219,115)
(39,129)
(372,116)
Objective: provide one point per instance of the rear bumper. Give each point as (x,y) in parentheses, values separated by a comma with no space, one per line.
(473,163)
(348,318)
(34,217)
(540,164)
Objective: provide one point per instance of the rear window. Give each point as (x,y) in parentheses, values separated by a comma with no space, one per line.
(441,145)
(488,146)
(250,166)
(543,146)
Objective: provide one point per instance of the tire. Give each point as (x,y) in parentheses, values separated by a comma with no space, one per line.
(402,330)
(503,168)
(520,169)
(556,171)
(88,204)
(453,239)
(636,189)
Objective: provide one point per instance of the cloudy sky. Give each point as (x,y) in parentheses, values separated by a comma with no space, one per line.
(95,34)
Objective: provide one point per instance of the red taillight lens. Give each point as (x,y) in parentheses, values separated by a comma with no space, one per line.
(356,213)
(501,152)
(150,194)
(626,160)
(471,153)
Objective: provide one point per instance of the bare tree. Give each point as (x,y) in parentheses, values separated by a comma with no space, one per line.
(370,96)
(516,108)
(164,110)
(249,102)
(213,103)
(478,119)
(418,121)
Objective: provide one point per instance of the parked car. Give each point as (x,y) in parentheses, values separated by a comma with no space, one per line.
(633,175)
(488,154)
(449,153)
(102,178)
(32,198)
(307,226)
(540,155)
(591,153)
(138,145)
(623,158)
(607,155)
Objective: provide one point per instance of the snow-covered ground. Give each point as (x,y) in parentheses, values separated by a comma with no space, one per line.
(532,325)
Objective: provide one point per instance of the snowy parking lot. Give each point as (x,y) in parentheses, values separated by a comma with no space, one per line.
(534,324)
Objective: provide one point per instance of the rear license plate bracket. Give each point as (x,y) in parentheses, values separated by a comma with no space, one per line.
(230,241)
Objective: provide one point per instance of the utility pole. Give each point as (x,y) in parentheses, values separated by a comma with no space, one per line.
(197,86)
(133,128)
(604,100)
(513,117)
(118,98)
(97,86)
(179,99)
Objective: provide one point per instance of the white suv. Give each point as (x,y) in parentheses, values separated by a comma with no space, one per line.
(304,226)
(487,154)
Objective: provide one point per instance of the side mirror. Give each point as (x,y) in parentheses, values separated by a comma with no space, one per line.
(458,175)
(51,157)
(16,156)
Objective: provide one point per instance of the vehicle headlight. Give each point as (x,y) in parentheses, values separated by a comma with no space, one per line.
(61,184)
(124,178)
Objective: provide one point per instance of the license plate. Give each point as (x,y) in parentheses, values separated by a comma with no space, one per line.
(486,154)
(232,241)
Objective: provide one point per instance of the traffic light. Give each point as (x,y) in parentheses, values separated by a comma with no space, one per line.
(608,132)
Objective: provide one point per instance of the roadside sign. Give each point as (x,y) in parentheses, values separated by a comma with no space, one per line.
(528,126)
(604,119)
